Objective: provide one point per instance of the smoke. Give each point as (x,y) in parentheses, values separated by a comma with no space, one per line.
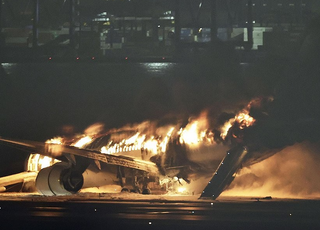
(291,173)
(197,183)
(94,129)
(287,118)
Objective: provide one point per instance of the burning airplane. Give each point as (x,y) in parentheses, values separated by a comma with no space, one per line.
(141,157)
(151,156)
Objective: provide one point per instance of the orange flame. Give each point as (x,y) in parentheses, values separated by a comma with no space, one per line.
(82,142)
(55,140)
(192,135)
(242,118)
(36,162)
(138,142)
(225,128)
(195,132)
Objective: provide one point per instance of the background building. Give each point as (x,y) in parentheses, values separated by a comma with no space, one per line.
(144,27)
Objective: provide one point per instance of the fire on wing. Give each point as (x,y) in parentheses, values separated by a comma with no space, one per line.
(139,158)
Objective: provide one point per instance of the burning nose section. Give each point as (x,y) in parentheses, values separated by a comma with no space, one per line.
(59,179)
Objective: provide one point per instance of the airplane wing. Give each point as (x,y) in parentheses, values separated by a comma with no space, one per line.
(16,179)
(57,150)
(71,175)
(66,177)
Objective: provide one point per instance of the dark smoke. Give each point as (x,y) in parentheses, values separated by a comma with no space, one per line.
(288,125)
(293,115)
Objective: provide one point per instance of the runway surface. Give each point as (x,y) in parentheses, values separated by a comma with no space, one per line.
(105,211)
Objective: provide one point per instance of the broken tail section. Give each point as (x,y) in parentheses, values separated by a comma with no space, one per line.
(224,174)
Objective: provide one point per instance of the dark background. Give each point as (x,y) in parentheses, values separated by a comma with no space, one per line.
(39,100)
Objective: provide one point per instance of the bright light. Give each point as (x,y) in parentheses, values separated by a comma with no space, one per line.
(36,162)
(181,190)
(82,142)
(55,140)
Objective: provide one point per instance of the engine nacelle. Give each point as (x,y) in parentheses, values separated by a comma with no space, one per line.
(59,179)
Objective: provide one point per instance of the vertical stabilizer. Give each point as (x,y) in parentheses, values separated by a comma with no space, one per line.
(223,176)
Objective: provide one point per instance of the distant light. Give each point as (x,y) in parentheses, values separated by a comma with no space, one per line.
(150,222)
(50,58)
(211,203)
(163,58)
(78,58)
(126,58)
(192,211)
(158,26)
(93,58)
(95,209)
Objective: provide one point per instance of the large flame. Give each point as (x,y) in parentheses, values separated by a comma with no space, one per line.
(56,140)
(225,128)
(147,139)
(139,142)
(82,142)
(242,119)
(196,132)
(36,162)
(193,134)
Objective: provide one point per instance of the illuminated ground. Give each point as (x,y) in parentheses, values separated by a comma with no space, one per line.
(123,211)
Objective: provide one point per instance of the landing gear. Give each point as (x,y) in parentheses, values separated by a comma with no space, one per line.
(133,181)
(146,191)
(135,190)
(124,190)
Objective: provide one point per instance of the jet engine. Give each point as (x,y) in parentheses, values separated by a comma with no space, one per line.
(59,179)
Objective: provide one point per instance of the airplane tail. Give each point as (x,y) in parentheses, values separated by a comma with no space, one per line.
(224,174)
